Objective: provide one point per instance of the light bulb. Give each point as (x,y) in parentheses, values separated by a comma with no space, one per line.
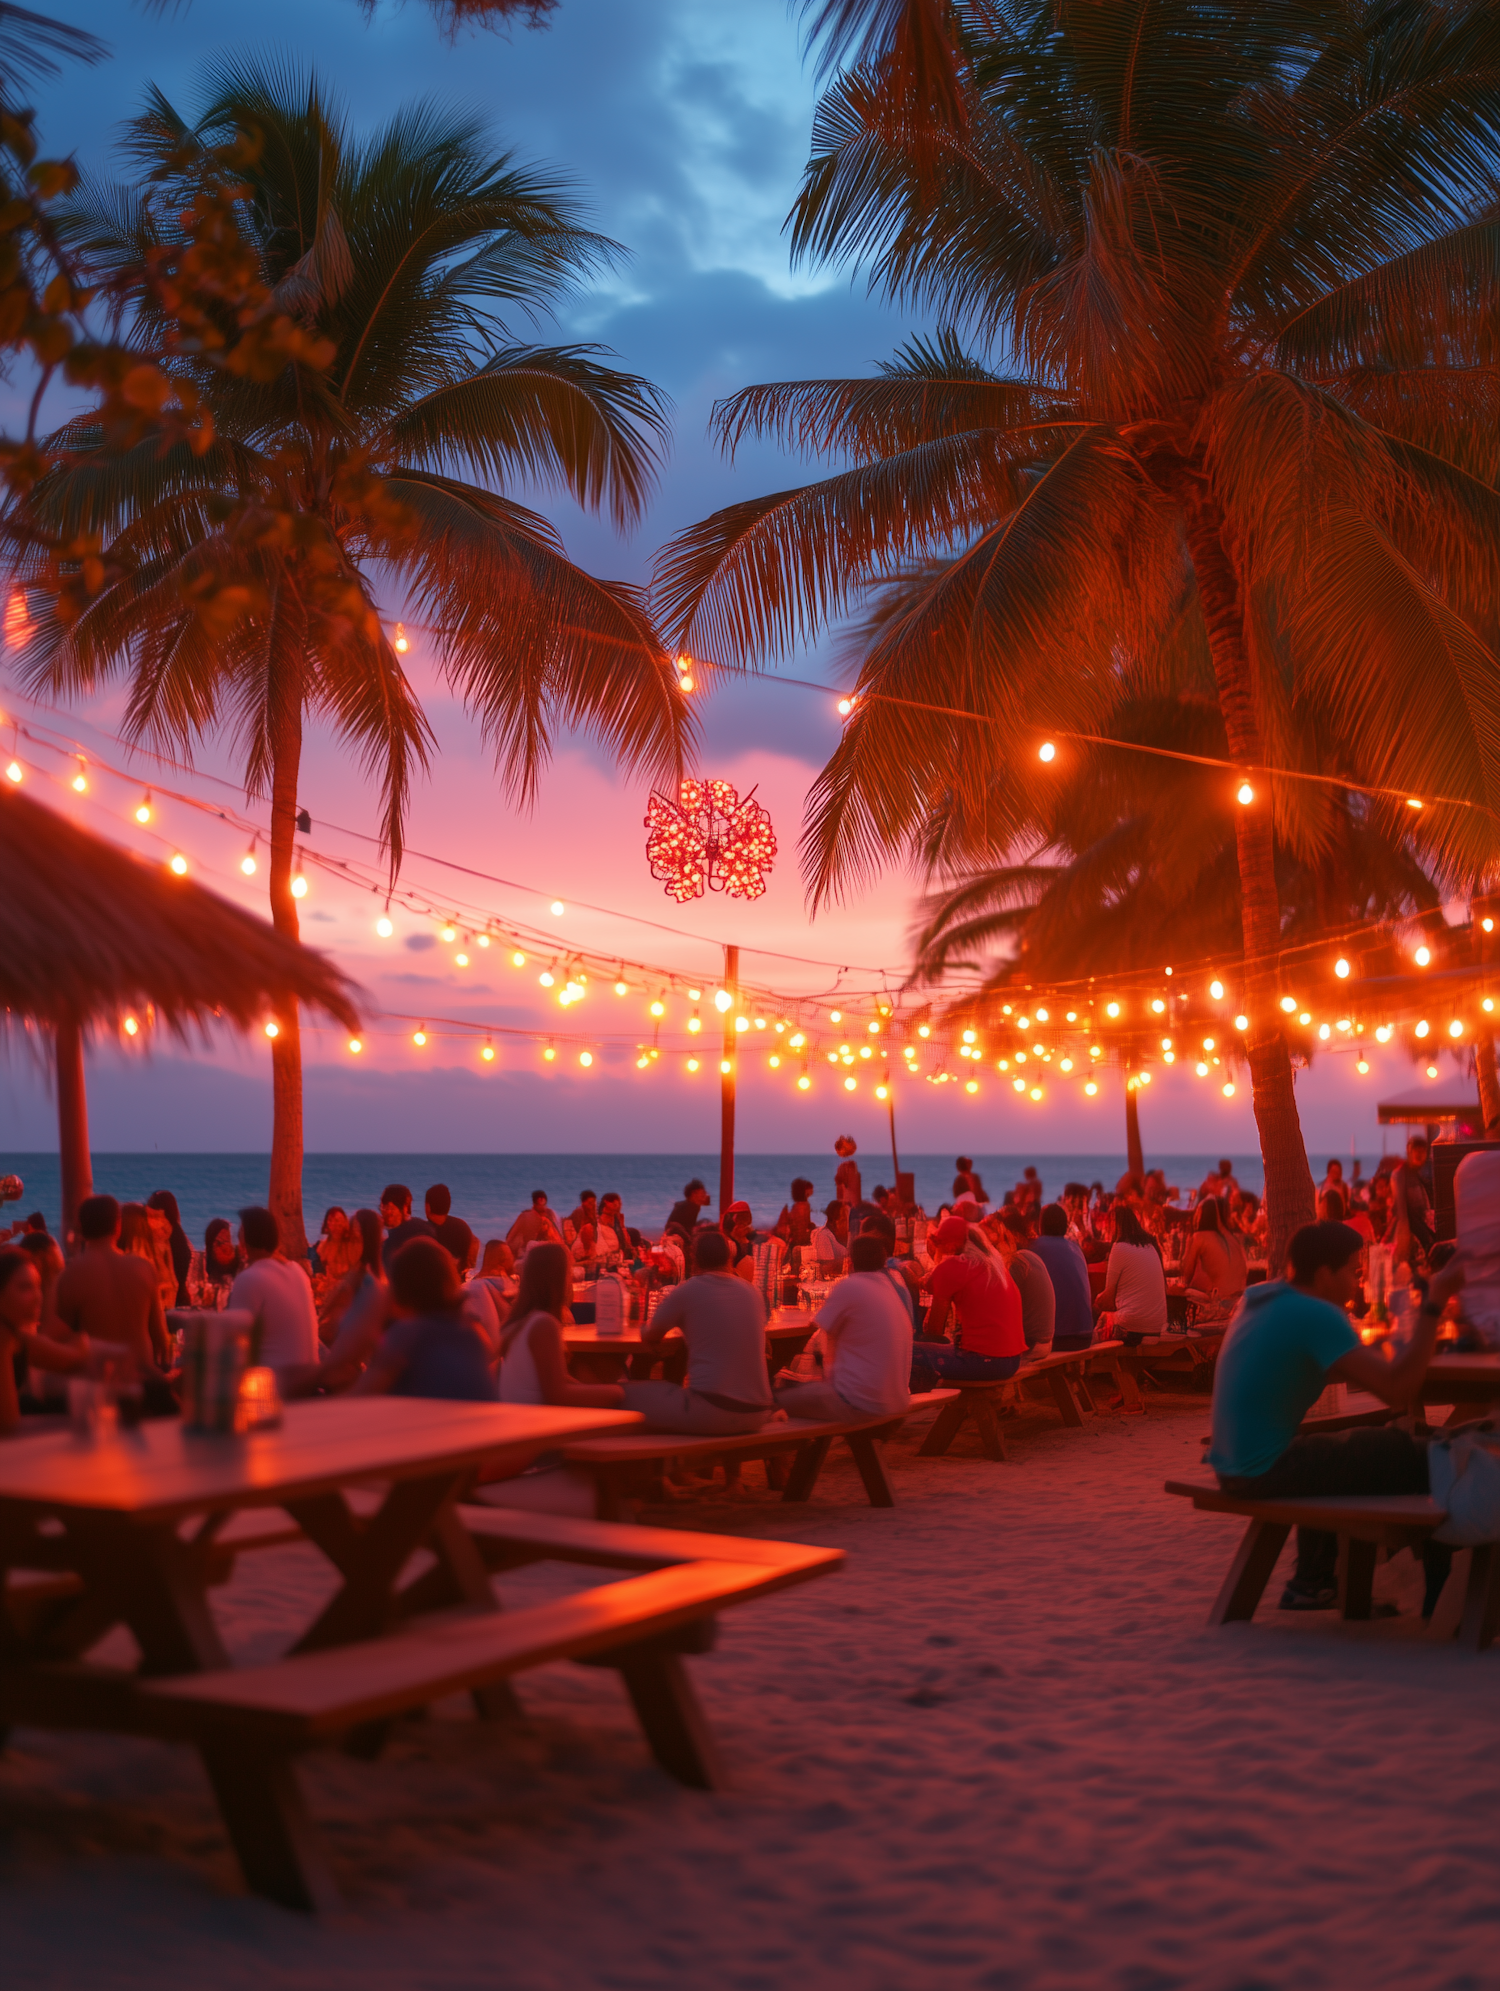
(448,933)
(549,1054)
(547,978)
(1091,1088)
(1432,1071)
(384,927)
(248,864)
(1488,925)
(695,995)
(803,1083)
(1422,956)
(460,960)
(299,887)
(622,988)
(658,1008)
(972,1086)
(1413,801)
(1242,1023)
(1362,1067)
(835,1016)
(1216,990)
(774,1062)
(1046,751)
(1244,794)
(80,780)
(695,1022)
(1455,1028)
(1228,1088)
(1019,1084)
(1341,968)
(484,940)
(1289,1003)
(1488,1004)
(355,1046)
(273,1029)
(846,706)
(1421,1030)
(400,643)
(1112,1009)
(419,1038)
(1383,1034)
(1304,1017)
(143,808)
(518,959)
(179,865)
(722,1000)
(1067,1064)
(1035,1093)
(741,1023)
(969,1036)
(1201,1069)
(585,1057)
(1157,1007)
(692,1064)
(488,1054)
(15,772)
(557,909)
(131,1026)
(725,1067)
(848,1085)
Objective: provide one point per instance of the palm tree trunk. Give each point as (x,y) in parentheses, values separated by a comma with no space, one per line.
(1135,1154)
(285,1193)
(1290,1199)
(76,1162)
(1489,1083)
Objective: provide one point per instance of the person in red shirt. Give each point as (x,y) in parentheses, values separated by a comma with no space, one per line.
(985,1302)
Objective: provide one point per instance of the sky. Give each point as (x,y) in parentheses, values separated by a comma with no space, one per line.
(685,124)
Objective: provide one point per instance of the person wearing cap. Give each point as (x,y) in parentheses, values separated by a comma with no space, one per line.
(1290,1337)
(983,1299)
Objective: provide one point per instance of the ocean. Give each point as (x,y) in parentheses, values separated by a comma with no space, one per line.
(490,1190)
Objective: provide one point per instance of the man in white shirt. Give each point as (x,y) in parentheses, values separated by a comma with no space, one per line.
(868,1334)
(278,1293)
(831,1243)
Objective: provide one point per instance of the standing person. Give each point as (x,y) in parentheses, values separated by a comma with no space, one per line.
(966,1181)
(278,1293)
(112,1295)
(1411,1204)
(451,1232)
(723,1322)
(846,1182)
(796,1220)
(147,1234)
(1213,1262)
(1289,1338)
(1068,1269)
(685,1214)
(867,1330)
(831,1243)
(1333,1177)
(1220,1183)
(429,1349)
(164,1204)
(533,1359)
(215,1268)
(986,1304)
(534,1226)
(1012,1236)
(1134,1300)
(400,1225)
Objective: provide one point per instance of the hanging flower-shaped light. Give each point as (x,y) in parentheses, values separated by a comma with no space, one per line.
(708,838)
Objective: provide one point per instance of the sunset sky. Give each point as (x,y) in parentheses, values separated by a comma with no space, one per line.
(685,123)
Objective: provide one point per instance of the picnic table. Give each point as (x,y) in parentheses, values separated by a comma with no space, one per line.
(1470,1380)
(605,1356)
(130,1529)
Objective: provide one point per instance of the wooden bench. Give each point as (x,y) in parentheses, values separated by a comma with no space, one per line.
(1064,1377)
(1365,1523)
(618,1462)
(251,1723)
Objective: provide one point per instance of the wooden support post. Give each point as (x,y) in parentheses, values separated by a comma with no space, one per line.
(669,1712)
(872,1470)
(726,1081)
(1356,1577)
(280,1852)
(72,1126)
(1249,1573)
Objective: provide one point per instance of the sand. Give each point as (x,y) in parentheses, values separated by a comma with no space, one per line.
(997,1749)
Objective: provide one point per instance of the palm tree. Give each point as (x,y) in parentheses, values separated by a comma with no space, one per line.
(242,589)
(1193,237)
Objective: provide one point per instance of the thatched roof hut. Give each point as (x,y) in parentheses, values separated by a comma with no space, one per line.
(93,935)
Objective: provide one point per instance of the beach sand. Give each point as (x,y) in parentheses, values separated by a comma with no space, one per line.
(997,1749)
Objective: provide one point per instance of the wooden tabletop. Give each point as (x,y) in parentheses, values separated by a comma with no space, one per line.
(159,1472)
(783,1323)
(1466,1371)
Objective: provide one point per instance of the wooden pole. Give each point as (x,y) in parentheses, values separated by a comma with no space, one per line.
(77,1166)
(726,1082)
(890,1107)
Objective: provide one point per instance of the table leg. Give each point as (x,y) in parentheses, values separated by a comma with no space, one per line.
(151,1580)
(1481,1617)
(1249,1573)
(1125,1378)
(371,1558)
(278,1846)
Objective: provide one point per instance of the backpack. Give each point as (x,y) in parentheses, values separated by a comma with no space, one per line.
(1464,1474)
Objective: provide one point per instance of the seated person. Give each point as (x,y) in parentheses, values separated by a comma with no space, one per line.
(1289,1338)
(736,1226)
(1134,1300)
(20,1341)
(1333,1208)
(831,1241)
(723,1321)
(1073,1302)
(905,1278)
(429,1349)
(1010,1234)
(867,1333)
(1213,1262)
(976,1288)
(533,1362)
